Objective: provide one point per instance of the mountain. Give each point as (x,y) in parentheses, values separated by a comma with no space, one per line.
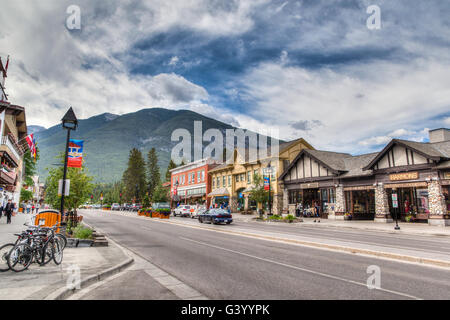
(108,138)
(34,129)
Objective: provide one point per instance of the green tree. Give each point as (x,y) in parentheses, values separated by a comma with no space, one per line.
(134,177)
(160,194)
(26,195)
(258,194)
(80,186)
(172,165)
(30,166)
(152,172)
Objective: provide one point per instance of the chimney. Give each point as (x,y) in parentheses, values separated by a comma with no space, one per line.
(439,135)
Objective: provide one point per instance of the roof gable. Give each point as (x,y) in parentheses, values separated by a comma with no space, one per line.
(426,150)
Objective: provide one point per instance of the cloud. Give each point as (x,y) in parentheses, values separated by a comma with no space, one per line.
(280,65)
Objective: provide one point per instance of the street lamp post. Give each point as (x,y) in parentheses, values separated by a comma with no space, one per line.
(69,122)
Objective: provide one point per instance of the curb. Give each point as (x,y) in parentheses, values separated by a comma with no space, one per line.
(65,292)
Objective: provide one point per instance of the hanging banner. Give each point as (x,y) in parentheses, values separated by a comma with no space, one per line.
(75,157)
(266,183)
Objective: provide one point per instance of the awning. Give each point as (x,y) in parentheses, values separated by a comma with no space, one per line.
(219,192)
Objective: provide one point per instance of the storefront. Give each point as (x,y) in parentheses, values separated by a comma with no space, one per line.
(360,202)
(408,180)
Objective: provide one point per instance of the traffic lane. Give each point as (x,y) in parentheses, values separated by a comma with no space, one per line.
(436,244)
(223,274)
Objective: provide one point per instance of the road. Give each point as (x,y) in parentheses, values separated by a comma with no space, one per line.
(229,266)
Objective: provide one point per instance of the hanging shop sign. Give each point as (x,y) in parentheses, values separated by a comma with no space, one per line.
(446,175)
(404,176)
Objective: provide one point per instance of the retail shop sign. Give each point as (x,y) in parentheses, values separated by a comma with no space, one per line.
(394,200)
(446,175)
(404,176)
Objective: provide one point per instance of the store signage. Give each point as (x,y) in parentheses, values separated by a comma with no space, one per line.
(309,185)
(446,175)
(404,176)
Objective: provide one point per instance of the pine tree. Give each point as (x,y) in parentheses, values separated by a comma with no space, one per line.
(152,171)
(171,166)
(134,177)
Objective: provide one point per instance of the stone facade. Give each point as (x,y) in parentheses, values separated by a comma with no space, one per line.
(234,203)
(340,200)
(381,205)
(436,204)
(277,204)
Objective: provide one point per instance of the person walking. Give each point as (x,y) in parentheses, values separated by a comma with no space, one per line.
(28,207)
(9,211)
(32,208)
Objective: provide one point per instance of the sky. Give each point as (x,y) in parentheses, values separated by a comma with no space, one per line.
(304,68)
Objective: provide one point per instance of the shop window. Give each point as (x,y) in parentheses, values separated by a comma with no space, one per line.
(446,191)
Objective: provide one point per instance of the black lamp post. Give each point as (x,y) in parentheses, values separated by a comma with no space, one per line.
(69,122)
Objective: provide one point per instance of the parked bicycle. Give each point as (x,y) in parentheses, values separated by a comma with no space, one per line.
(37,244)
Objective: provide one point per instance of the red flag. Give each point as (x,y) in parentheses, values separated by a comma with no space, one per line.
(31,145)
(7,63)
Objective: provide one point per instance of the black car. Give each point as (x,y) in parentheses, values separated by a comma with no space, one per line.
(215,216)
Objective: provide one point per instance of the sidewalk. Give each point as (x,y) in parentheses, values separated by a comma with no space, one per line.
(406,228)
(39,282)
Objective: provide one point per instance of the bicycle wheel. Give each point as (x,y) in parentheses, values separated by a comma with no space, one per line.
(4,252)
(46,254)
(57,253)
(20,257)
(62,240)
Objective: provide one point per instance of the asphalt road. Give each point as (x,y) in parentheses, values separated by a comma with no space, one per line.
(223,266)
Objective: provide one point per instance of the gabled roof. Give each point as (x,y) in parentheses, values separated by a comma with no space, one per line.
(430,151)
(333,161)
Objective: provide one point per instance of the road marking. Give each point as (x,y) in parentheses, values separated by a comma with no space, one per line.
(370,253)
(302,269)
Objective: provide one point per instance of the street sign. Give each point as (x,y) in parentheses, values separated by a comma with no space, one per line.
(394,197)
(394,204)
(67,187)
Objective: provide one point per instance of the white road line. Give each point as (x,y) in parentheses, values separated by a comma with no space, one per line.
(301,269)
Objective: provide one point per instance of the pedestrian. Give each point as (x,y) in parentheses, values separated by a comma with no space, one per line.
(28,207)
(1,210)
(9,208)
(32,208)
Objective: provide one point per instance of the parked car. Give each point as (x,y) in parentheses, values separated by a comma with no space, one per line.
(125,207)
(115,206)
(198,210)
(136,207)
(215,216)
(183,210)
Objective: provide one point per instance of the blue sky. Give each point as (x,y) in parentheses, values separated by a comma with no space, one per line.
(306,68)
